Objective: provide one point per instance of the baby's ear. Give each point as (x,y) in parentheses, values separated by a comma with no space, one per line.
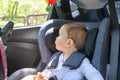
(70,43)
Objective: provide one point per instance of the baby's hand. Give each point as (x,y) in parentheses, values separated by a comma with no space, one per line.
(40,76)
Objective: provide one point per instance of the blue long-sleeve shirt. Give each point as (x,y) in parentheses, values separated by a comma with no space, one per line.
(86,69)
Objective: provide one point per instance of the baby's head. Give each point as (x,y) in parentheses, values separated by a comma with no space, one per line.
(74,32)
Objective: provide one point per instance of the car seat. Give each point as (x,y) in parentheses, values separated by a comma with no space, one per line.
(96,45)
(99,59)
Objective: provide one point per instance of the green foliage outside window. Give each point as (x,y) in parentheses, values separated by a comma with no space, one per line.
(18,10)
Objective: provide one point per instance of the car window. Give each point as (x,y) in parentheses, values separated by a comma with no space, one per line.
(23,12)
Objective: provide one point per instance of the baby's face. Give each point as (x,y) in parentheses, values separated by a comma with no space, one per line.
(61,40)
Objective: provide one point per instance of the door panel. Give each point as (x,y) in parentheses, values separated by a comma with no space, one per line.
(22,49)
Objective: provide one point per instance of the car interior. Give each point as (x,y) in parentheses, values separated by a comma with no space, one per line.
(29,49)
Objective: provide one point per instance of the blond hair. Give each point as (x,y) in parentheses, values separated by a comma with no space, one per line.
(77,32)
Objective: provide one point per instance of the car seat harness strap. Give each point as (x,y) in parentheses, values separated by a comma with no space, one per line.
(73,62)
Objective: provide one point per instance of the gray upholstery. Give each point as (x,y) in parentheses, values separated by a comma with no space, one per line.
(101,47)
(91,4)
(19,74)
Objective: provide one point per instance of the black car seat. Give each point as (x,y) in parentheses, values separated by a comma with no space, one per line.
(95,46)
(100,54)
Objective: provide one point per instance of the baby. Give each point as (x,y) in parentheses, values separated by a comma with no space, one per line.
(71,39)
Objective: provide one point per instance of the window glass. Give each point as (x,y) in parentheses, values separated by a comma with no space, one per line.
(23,12)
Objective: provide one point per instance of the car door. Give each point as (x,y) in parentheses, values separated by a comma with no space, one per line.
(22,48)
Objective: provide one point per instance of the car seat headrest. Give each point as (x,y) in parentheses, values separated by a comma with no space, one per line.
(90,42)
(90,4)
(50,37)
(52,33)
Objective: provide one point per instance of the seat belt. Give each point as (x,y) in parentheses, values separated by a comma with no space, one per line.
(114,53)
(76,57)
